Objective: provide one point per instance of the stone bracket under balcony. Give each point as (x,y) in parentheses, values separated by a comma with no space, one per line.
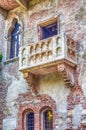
(66,71)
(32,81)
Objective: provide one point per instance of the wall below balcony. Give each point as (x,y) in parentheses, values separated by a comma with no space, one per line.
(53,85)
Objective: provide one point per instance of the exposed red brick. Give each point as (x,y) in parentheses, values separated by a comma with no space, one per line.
(8,4)
(44,101)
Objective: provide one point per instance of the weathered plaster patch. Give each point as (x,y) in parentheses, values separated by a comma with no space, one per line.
(9,124)
(77,113)
(17,87)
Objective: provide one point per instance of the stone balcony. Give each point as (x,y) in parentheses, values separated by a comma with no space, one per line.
(57,53)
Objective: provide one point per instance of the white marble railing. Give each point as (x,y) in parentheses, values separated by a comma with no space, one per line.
(48,50)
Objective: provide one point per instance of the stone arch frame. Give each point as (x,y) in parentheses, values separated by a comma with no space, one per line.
(9,28)
(45,102)
(24,118)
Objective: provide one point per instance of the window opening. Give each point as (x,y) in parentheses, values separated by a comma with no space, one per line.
(49,30)
(30,121)
(48,120)
(14,50)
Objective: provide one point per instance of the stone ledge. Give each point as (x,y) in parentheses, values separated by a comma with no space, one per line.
(11,60)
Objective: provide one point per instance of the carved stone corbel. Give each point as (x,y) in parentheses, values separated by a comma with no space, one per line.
(67,73)
(32,81)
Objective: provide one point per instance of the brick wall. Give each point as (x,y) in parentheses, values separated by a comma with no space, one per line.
(75,99)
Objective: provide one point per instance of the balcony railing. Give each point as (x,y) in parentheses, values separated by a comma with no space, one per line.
(50,50)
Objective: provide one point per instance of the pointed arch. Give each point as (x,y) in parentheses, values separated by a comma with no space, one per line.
(14,37)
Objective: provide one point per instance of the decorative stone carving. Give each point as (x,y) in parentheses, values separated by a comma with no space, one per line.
(58,41)
(58,51)
(50,55)
(71,48)
(32,50)
(32,60)
(37,48)
(67,73)
(43,46)
(32,80)
(23,51)
(49,44)
(44,57)
(37,59)
(23,61)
